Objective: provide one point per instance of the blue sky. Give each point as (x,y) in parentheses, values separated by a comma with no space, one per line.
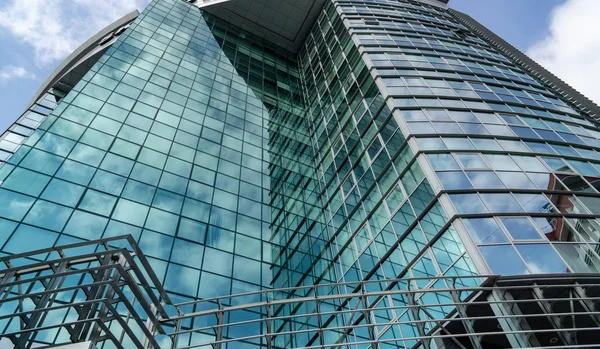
(520,22)
(36,35)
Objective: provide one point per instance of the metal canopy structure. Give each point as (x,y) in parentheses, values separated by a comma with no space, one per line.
(93,291)
(105,291)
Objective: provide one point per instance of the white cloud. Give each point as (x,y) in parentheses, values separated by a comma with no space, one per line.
(11,72)
(54,28)
(571,50)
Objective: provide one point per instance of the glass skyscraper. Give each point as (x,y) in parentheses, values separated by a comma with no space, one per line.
(303,174)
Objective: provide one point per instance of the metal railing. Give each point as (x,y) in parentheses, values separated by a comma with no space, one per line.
(91,291)
(105,292)
(466,311)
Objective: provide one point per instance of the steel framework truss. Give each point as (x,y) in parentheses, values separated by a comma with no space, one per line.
(105,292)
(93,291)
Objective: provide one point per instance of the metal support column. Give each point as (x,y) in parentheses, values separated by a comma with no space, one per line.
(414,309)
(36,319)
(219,328)
(546,306)
(95,292)
(367,315)
(461,309)
(318,315)
(269,324)
(504,311)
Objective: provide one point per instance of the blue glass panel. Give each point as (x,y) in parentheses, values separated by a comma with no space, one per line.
(503,260)
(98,202)
(468,203)
(454,180)
(6,229)
(162,221)
(86,225)
(115,228)
(192,230)
(182,279)
(28,238)
(485,230)
(108,182)
(520,228)
(76,172)
(501,203)
(48,215)
(26,182)
(42,162)
(62,192)
(485,180)
(130,212)
(542,259)
(16,205)
(138,191)
(188,253)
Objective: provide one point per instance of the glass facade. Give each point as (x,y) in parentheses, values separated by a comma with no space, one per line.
(381,212)
(150,144)
(514,159)
(398,147)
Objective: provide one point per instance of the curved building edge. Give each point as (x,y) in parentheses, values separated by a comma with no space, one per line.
(84,51)
(58,84)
